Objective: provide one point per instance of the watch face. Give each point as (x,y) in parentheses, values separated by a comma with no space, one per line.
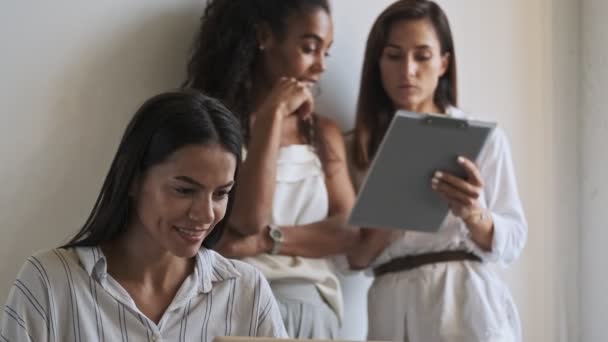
(276,234)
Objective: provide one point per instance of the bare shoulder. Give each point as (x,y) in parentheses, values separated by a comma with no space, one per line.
(331,132)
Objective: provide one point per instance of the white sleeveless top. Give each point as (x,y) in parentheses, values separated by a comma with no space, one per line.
(300,198)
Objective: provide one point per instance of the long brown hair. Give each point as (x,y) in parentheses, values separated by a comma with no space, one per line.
(161,126)
(374,108)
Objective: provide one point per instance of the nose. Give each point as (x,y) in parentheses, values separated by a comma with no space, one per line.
(410,66)
(201,210)
(320,64)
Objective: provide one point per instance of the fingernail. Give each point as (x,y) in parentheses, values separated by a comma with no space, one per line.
(434,181)
(460,159)
(434,186)
(438,174)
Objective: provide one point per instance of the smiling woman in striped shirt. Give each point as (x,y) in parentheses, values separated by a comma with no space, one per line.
(141,268)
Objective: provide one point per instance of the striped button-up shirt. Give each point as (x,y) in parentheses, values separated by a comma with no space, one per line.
(67,295)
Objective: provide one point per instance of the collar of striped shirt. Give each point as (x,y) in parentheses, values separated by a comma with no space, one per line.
(208,267)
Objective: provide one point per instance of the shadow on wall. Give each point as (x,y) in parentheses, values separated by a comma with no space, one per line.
(87,104)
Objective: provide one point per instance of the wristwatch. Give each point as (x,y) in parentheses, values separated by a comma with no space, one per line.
(277,238)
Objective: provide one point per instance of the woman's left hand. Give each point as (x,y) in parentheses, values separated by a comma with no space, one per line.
(463,199)
(462,194)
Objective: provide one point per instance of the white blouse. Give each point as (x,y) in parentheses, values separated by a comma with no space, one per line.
(300,198)
(67,295)
(500,197)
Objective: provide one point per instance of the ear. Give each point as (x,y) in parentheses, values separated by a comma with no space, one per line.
(445,62)
(264,35)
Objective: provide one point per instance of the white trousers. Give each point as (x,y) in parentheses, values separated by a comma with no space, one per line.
(460,301)
(305,314)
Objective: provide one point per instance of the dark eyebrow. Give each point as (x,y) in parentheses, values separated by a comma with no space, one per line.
(316,37)
(395,46)
(423,46)
(312,36)
(193,182)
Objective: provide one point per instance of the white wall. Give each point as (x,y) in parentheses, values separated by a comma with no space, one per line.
(74,71)
(502,51)
(594,201)
(565,144)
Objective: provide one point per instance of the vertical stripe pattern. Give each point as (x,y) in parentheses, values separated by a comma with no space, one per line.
(65,295)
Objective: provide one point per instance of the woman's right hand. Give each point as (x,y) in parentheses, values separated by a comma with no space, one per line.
(288,96)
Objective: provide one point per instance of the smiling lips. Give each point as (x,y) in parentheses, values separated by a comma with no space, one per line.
(191,235)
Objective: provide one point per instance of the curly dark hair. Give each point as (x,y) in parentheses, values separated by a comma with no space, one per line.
(225,54)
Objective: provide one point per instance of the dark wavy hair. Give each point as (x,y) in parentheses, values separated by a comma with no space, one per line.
(374,108)
(225,54)
(162,125)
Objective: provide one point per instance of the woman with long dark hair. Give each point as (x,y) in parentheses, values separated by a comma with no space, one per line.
(264,58)
(435,287)
(142,266)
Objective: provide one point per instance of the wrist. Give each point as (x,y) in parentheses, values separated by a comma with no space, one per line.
(481,228)
(275,235)
(281,111)
(476,217)
(274,112)
(265,243)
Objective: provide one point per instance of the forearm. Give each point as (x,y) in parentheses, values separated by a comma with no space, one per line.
(316,240)
(371,243)
(320,239)
(237,246)
(257,177)
(506,241)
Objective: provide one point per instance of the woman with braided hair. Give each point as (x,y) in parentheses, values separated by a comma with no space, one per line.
(263,59)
